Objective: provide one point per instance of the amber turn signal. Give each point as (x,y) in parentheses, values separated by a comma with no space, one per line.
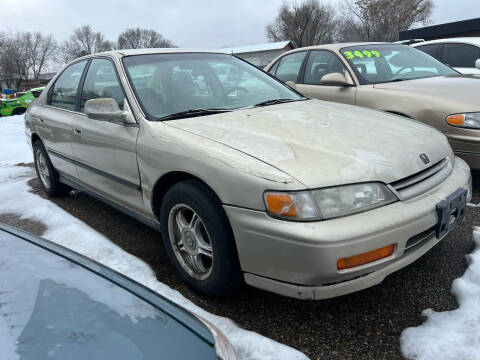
(360,259)
(281,205)
(456,120)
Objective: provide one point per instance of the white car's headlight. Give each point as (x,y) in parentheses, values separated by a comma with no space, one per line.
(328,203)
(467,120)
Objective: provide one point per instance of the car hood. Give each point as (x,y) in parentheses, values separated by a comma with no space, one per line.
(322,143)
(462,90)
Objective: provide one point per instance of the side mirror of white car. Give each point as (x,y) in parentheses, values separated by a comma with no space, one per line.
(477,64)
(335,79)
(106,109)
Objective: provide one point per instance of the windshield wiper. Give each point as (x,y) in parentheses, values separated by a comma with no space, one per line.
(192,113)
(277,101)
(400,79)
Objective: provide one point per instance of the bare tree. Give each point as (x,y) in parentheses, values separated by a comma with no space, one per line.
(13,60)
(381,20)
(142,38)
(84,41)
(39,51)
(305,24)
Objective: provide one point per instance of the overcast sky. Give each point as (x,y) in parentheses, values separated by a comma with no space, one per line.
(205,24)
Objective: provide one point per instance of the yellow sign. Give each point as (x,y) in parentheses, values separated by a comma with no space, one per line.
(361,54)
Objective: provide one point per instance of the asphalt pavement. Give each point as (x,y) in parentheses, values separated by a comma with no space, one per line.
(364,325)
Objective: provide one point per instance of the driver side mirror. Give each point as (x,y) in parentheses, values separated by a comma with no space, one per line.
(337,79)
(106,109)
(477,64)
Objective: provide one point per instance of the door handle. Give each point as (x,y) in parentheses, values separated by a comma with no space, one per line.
(77,131)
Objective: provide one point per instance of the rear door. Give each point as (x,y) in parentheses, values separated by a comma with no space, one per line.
(105,152)
(53,122)
(319,64)
(289,66)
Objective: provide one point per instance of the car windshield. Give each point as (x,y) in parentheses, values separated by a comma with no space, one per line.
(167,84)
(375,64)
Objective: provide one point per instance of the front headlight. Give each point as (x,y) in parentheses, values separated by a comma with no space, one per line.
(327,203)
(467,120)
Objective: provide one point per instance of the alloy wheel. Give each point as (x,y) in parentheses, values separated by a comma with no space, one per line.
(190,241)
(43,170)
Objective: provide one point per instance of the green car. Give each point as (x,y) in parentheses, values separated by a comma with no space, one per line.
(19,105)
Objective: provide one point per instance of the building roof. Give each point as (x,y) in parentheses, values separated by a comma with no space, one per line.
(47,76)
(442,30)
(280,45)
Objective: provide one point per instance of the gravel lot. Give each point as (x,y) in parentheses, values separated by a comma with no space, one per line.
(364,325)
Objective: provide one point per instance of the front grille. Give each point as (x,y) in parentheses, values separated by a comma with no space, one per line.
(422,181)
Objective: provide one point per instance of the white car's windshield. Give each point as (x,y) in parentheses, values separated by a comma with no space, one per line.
(200,83)
(375,64)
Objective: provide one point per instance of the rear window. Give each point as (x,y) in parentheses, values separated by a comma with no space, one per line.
(64,92)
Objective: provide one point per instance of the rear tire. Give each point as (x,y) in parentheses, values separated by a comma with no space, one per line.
(48,176)
(198,239)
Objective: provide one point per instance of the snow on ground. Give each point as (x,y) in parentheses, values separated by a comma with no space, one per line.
(13,143)
(452,334)
(68,231)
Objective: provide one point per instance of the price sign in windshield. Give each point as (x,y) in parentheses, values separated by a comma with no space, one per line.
(352,54)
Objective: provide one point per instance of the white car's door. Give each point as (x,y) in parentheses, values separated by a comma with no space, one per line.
(106,152)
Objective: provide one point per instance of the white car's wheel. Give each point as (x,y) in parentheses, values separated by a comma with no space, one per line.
(198,238)
(46,173)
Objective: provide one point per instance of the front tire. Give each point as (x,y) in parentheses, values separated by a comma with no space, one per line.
(48,176)
(198,239)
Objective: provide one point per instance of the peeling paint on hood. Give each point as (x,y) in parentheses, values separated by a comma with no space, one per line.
(322,143)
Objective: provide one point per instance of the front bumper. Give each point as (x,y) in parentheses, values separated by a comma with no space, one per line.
(299,259)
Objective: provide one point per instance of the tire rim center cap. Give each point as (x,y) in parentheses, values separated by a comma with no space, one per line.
(190,242)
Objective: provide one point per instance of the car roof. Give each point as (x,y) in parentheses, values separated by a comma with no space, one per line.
(466,40)
(338,46)
(129,52)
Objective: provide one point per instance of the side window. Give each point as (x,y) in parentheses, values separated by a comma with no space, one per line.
(64,91)
(432,50)
(102,82)
(460,55)
(273,69)
(321,63)
(289,66)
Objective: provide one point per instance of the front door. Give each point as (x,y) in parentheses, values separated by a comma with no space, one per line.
(105,152)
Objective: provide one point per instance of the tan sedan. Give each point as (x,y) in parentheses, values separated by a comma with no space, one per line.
(393,78)
(244,177)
